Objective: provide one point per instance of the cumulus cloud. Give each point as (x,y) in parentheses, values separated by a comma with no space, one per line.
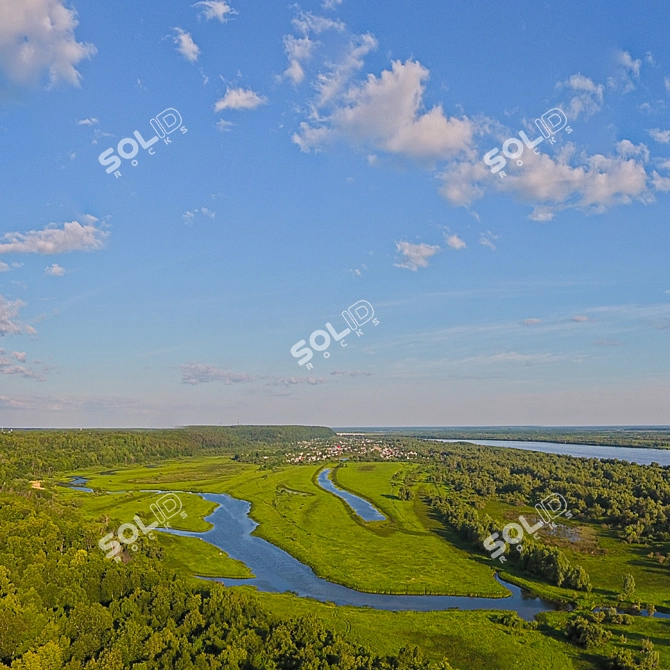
(55,270)
(37,38)
(587,98)
(386,113)
(580,318)
(87,122)
(73,236)
(415,255)
(4,267)
(215,9)
(199,373)
(239,98)
(186,46)
(455,242)
(552,184)
(331,4)
(531,322)
(661,136)
(9,310)
(20,356)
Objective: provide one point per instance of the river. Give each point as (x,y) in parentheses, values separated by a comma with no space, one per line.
(276,571)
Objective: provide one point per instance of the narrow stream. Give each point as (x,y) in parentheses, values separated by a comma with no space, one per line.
(363,508)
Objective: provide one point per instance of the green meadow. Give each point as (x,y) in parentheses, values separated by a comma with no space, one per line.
(409,552)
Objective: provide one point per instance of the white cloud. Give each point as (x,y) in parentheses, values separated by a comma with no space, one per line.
(198,373)
(37,37)
(660,183)
(661,136)
(186,46)
(9,310)
(552,184)
(415,255)
(385,113)
(298,50)
(4,267)
(629,73)
(55,270)
(8,369)
(73,236)
(215,9)
(588,97)
(223,125)
(187,217)
(307,22)
(455,242)
(580,318)
(332,83)
(20,356)
(331,4)
(486,240)
(87,122)
(531,322)
(666,83)
(239,98)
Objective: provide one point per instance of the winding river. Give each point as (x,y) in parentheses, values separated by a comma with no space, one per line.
(277,571)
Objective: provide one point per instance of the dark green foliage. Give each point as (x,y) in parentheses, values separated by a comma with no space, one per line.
(35,454)
(635,499)
(585,633)
(535,557)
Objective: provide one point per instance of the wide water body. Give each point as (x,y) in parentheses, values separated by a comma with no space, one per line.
(632,455)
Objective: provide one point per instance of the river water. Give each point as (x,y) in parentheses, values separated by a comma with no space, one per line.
(363,508)
(277,571)
(640,455)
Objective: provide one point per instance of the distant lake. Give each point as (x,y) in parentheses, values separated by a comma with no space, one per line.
(363,508)
(640,455)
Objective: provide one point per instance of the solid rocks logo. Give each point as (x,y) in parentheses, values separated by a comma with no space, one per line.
(163,124)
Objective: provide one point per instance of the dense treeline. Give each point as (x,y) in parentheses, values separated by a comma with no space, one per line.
(535,557)
(35,454)
(634,499)
(64,606)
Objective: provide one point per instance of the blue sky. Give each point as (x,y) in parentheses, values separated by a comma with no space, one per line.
(322,154)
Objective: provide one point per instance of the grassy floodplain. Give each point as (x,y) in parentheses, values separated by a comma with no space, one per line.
(297,515)
(319,528)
